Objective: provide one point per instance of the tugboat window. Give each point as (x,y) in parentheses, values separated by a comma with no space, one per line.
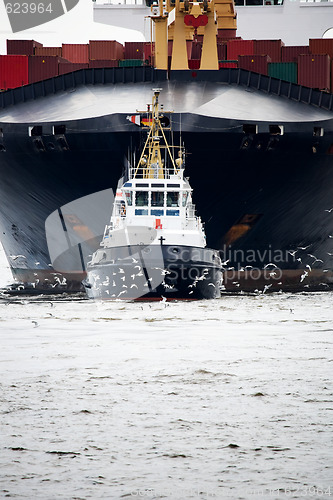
(185,196)
(157,199)
(172,199)
(128,195)
(141,198)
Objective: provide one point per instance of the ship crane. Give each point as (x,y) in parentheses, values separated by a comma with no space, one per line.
(182,20)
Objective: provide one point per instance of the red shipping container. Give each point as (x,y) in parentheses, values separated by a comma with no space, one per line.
(108,63)
(291,53)
(13,71)
(105,49)
(256,63)
(226,34)
(314,71)
(43,67)
(148,52)
(271,48)
(321,46)
(75,52)
(196,50)
(228,64)
(221,50)
(236,48)
(48,51)
(22,47)
(134,50)
(194,63)
(64,68)
(190,45)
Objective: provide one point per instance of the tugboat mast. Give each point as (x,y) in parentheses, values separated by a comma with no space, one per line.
(151,165)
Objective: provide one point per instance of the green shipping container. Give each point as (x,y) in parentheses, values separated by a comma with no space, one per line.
(128,63)
(283,70)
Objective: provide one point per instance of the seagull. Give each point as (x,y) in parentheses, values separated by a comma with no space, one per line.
(309,267)
(304,275)
(312,256)
(35,323)
(299,260)
(323,284)
(121,293)
(14,257)
(37,263)
(266,287)
(273,273)
(270,264)
(330,254)
(329,211)
(292,252)
(134,286)
(304,248)
(225,262)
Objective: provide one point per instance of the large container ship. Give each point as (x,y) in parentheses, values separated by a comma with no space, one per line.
(258,121)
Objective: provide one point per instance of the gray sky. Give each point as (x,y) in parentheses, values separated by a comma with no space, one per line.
(76,26)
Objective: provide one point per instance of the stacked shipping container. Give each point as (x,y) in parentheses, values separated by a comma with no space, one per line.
(271,48)
(314,71)
(43,67)
(14,71)
(28,61)
(283,71)
(76,52)
(256,63)
(105,50)
(22,47)
(291,53)
(67,67)
(48,51)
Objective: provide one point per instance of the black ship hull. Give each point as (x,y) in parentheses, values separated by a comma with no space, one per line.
(265,196)
(154,272)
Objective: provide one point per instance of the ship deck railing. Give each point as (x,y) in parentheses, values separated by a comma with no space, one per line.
(145,74)
(141,173)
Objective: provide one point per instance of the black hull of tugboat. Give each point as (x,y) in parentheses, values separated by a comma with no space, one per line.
(155,272)
(262,174)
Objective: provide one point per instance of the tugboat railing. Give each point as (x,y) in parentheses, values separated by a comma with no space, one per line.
(146,173)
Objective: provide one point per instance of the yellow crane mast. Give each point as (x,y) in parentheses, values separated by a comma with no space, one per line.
(182,20)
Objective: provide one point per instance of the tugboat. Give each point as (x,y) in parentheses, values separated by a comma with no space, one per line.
(155,244)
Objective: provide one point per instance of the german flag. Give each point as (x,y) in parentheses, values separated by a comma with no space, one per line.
(141,121)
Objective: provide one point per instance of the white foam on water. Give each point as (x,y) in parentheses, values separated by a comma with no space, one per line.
(229,398)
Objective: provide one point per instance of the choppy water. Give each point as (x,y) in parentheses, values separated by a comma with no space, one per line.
(230,398)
